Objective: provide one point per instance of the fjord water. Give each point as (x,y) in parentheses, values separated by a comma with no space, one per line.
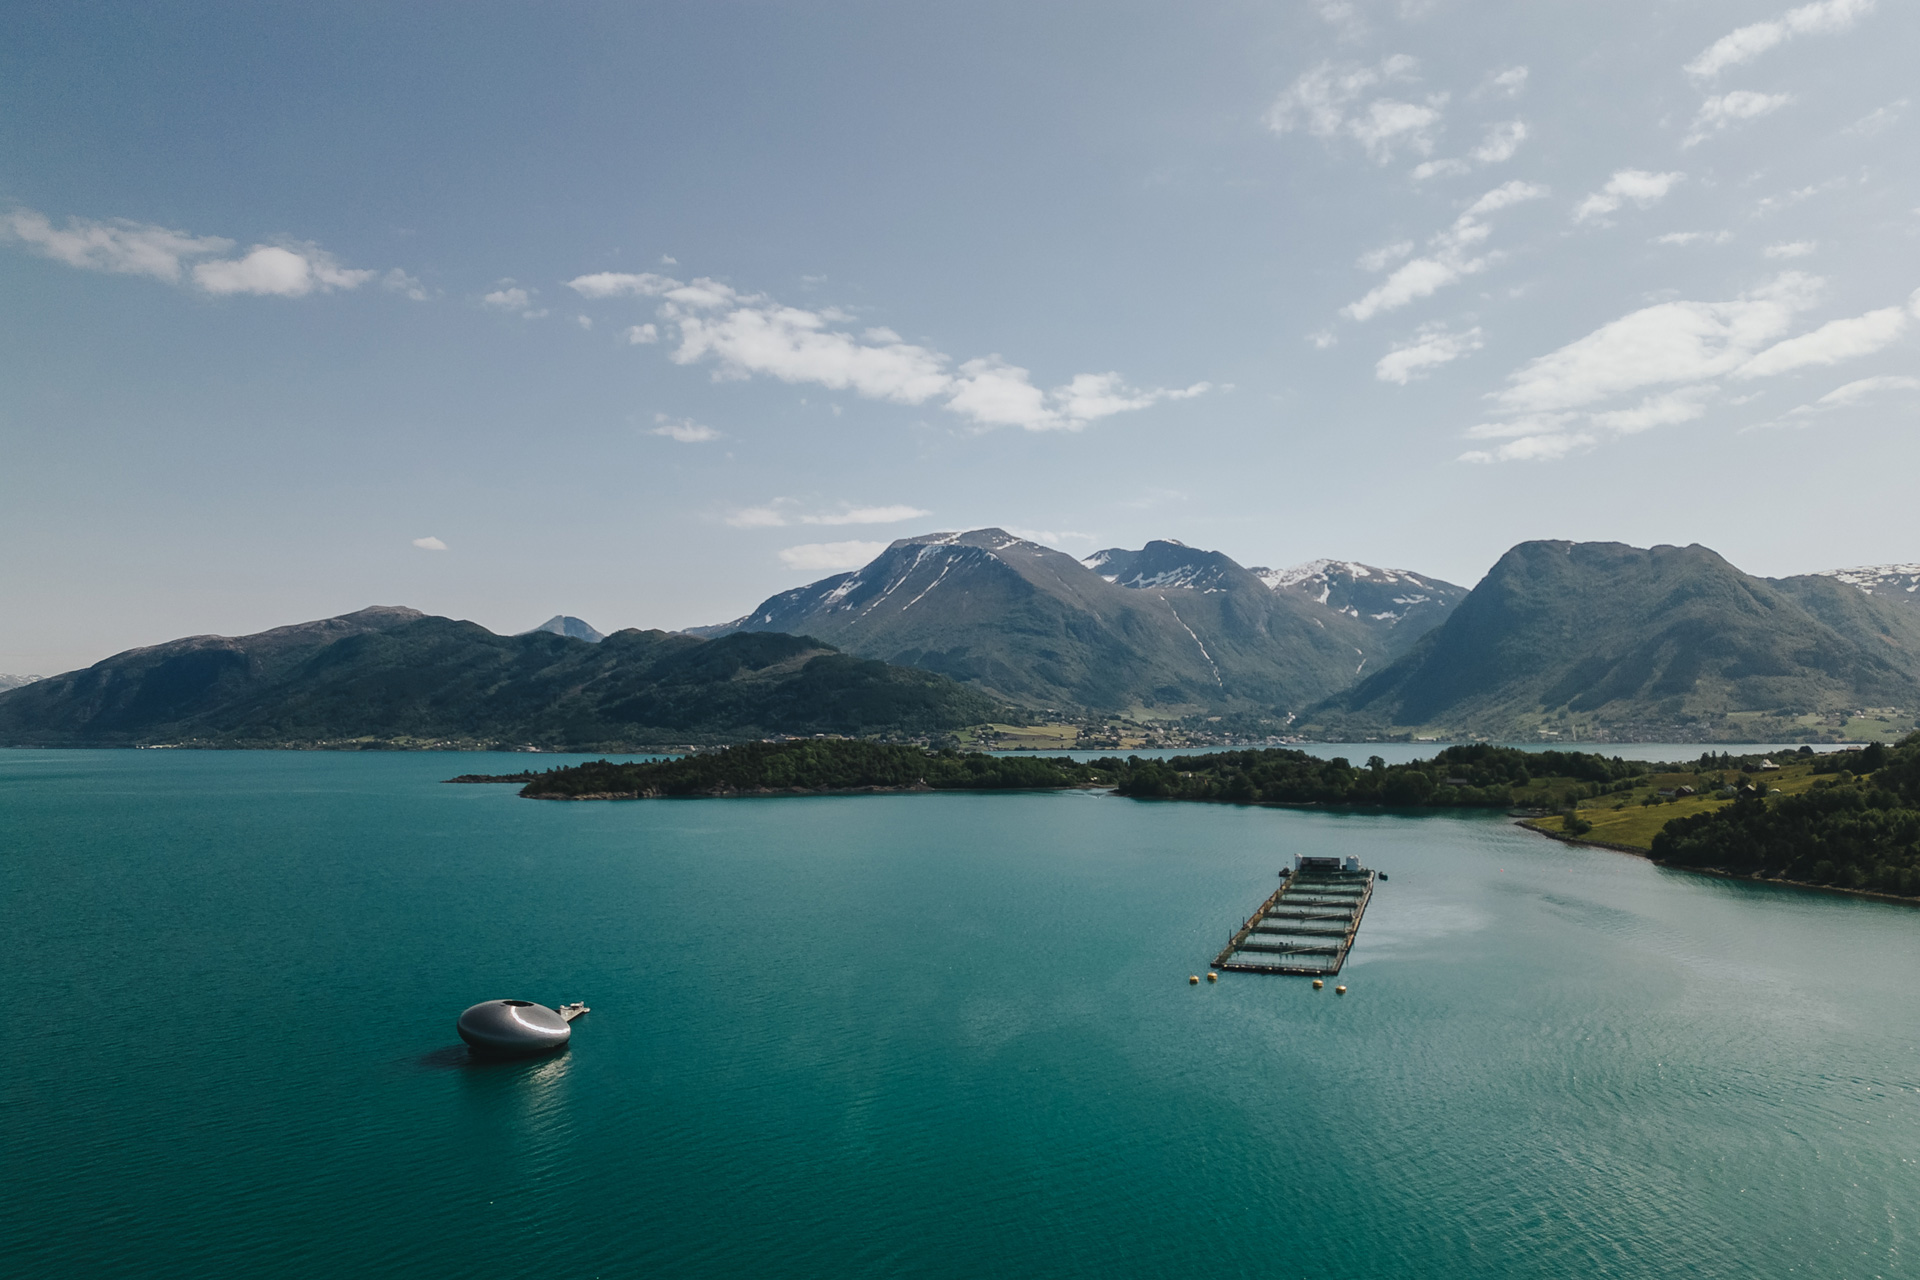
(933,1035)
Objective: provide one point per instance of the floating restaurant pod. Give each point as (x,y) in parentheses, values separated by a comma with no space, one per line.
(512,1029)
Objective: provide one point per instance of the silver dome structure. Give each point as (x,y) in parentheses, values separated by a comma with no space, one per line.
(512,1028)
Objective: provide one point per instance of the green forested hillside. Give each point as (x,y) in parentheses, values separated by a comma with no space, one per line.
(1672,643)
(813,765)
(396,677)
(1856,830)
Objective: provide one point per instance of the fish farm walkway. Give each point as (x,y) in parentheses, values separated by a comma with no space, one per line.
(1306,927)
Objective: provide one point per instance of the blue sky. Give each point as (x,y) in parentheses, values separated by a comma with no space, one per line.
(642,313)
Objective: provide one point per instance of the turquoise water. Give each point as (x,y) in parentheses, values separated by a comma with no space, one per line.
(930,1035)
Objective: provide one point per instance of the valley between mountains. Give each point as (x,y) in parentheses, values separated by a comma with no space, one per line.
(944,633)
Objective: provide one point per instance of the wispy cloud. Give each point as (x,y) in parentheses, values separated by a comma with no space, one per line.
(292,269)
(1831,343)
(830,557)
(1498,146)
(1510,82)
(1744,44)
(782,512)
(1326,103)
(430,544)
(1790,249)
(1843,397)
(683,430)
(1670,342)
(1432,347)
(1691,237)
(745,335)
(1727,109)
(1452,255)
(1638,187)
(1559,402)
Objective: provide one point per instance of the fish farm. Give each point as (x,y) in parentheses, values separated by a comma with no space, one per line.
(1307,927)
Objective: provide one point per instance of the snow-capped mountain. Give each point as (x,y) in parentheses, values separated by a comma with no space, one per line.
(1892,581)
(1400,604)
(14,682)
(1167,626)
(1165,564)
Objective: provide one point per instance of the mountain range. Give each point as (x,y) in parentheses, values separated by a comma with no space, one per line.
(1581,640)
(1667,642)
(1167,630)
(398,677)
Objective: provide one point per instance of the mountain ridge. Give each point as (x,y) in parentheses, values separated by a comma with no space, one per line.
(393,676)
(1615,639)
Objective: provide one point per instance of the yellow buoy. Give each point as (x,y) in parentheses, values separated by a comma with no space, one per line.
(1193,979)
(1213,977)
(1317,984)
(1339,991)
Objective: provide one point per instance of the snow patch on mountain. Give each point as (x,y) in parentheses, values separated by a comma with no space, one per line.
(1900,581)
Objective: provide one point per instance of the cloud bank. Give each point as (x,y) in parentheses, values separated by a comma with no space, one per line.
(1747,43)
(744,335)
(290,270)
(1559,402)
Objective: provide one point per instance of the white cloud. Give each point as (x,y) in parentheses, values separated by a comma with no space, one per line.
(1497,147)
(1855,392)
(1843,397)
(1049,537)
(1749,42)
(289,270)
(1790,249)
(1385,256)
(1688,237)
(1506,84)
(782,512)
(867,515)
(1451,258)
(507,299)
(398,281)
(1671,342)
(585,322)
(1666,410)
(1501,142)
(1433,347)
(1556,402)
(1880,117)
(684,430)
(1537,448)
(745,335)
(1726,109)
(641,335)
(1639,187)
(615,284)
(1831,343)
(796,345)
(120,245)
(1324,103)
(1344,17)
(830,557)
(1504,196)
(430,544)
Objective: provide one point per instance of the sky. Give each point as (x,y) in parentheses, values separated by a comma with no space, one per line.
(642,313)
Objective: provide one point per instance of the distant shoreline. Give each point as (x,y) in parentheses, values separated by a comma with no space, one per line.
(1715,872)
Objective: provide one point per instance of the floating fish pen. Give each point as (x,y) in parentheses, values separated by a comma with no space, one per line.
(1307,927)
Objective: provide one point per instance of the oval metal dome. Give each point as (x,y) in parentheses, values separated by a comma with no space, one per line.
(509,1028)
